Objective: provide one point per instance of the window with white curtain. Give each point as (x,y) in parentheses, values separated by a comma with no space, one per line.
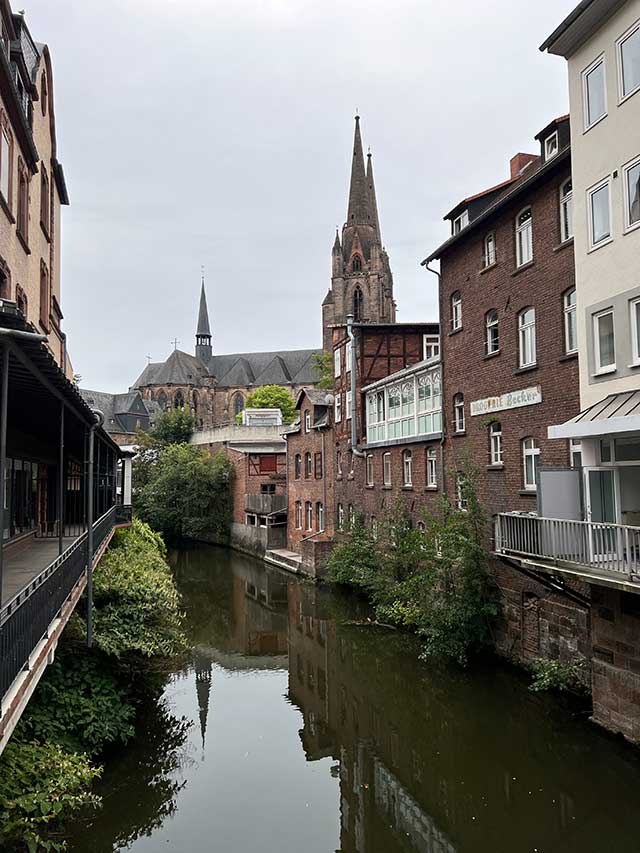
(566,210)
(489,250)
(456,311)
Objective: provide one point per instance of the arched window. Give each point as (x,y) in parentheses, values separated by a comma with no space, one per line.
(566,210)
(458,413)
(527,337)
(356,263)
(162,401)
(308,470)
(456,311)
(570,321)
(238,404)
(340,517)
(297,466)
(178,400)
(357,304)
(492,341)
(407,468)
(524,238)
(195,401)
(319,516)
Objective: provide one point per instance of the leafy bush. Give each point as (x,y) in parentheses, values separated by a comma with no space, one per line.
(137,605)
(271,397)
(41,784)
(186,493)
(79,704)
(433,581)
(572,677)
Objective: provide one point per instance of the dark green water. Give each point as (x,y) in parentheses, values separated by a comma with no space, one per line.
(303,734)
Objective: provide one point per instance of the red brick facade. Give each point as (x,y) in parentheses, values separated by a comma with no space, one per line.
(254,471)
(310,473)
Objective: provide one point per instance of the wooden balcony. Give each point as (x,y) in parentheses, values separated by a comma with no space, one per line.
(608,553)
(265,504)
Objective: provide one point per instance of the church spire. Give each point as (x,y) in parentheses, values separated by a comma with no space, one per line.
(358,211)
(203,329)
(371,194)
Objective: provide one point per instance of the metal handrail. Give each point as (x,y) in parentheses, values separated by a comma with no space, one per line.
(532,516)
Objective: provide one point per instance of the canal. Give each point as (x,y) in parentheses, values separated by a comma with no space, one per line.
(295,730)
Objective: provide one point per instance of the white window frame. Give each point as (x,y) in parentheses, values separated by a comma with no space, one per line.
(407,468)
(599,60)
(337,416)
(634,314)
(298,515)
(570,317)
(566,211)
(606,182)
(418,411)
(628,224)
(456,311)
(527,226)
(308,515)
(337,366)
(552,138)
(432,468)
(369,469)
(489,249)
(599,367)
(530,449)
(622,95)
(460,222)
(307,421)
(527,349)
(340,517)
(496,453)
(5,168)
(351,517)
(347,357)
(386,468)
(349,399)
(320,516)
(308,465)
(458,413)
(575,449)
(431,347)
(461,501)
(491,346)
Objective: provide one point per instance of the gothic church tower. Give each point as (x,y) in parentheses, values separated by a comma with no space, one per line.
(361,279)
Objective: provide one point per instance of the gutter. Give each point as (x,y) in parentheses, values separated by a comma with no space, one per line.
(444,432)
(354,409)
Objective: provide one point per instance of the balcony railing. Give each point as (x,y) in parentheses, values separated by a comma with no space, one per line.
(266,504)
(25,618)
(593,546)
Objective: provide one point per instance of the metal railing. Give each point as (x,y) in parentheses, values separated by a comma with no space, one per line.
(592,545)
(25,618)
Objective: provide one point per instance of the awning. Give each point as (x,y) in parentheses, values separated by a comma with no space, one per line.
(617,413)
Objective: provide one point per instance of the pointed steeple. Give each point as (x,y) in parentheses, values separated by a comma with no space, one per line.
(203,329)
(371,197)
(336,243)
(358,211)
(203,672)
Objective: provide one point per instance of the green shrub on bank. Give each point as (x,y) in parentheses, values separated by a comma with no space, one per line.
(39,785)
(184,492)
(86,701)
(433,581)
(571,677)
(137,605)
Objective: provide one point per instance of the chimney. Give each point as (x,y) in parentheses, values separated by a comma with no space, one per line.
(518,163)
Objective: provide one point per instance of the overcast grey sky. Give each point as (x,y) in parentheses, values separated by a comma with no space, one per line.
(219,133)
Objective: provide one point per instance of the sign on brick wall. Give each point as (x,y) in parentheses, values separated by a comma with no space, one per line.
(511,400)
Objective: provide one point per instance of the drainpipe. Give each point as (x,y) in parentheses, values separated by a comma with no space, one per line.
(354,408)
(98,423)
(443,437)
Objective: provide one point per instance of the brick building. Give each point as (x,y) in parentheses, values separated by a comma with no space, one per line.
(310,481)
(507,304)
(390,371)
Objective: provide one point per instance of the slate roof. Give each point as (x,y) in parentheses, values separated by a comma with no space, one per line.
(115,407)
(316,396)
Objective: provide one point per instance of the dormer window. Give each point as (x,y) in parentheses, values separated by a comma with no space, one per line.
(431,347)
(551,146)
(460,222)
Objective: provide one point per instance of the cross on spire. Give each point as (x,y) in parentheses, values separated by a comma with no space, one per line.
(175,343)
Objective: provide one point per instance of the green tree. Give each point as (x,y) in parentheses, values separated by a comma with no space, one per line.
(175,426)
(187,493)
(271,397)
(323,363)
